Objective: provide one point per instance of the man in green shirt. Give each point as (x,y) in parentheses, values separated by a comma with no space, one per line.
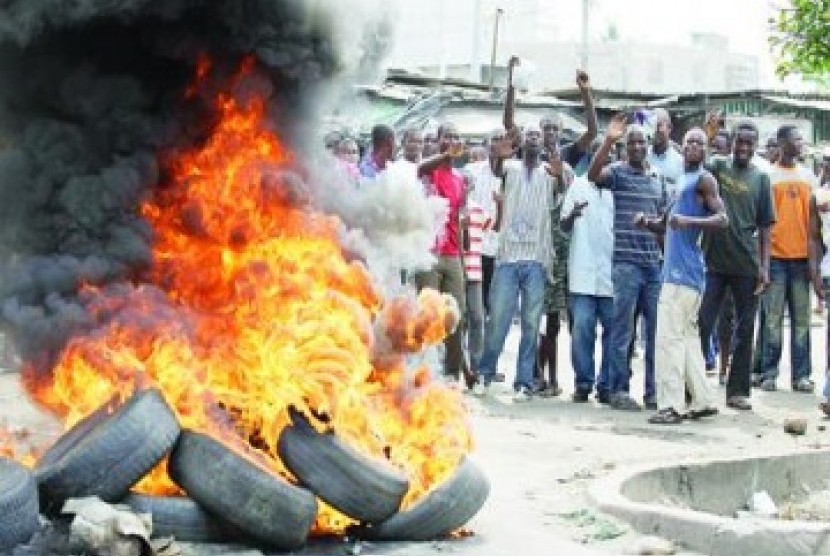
(737,258)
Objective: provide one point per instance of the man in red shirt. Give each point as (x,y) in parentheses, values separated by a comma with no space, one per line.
(447,274)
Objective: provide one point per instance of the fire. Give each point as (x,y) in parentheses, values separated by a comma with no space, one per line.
(251,308)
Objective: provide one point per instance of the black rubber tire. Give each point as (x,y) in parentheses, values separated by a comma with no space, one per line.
(182,518)
(260,503)
(439,513)
(108,451)
(18,505)
(365,489)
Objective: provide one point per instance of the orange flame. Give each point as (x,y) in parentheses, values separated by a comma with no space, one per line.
(250,308)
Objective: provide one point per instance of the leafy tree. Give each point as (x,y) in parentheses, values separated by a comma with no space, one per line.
(800,34)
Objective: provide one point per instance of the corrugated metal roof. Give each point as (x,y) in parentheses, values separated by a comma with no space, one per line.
(823,105)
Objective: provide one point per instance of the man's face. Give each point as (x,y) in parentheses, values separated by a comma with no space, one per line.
(550,132)
(430,145)
(413,144)
(694,146)
(662,132)
(635,147)
(793,145)
(449,137)
(721,145)
(532,141)
(744,146)
(349,152)
(494,141)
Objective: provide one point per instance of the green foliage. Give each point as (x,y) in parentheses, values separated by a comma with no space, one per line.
(800,35)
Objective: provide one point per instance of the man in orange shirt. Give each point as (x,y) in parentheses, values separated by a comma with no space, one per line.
(791,265)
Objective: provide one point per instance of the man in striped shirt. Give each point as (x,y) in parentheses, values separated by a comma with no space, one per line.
(524,258)
(474,221)
(637,192)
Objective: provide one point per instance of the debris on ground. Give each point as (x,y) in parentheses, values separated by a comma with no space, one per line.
(599,528)
(760,504)
(113,530)
(651,546)
(795,425)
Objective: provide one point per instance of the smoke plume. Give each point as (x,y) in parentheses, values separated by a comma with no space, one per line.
(93,93)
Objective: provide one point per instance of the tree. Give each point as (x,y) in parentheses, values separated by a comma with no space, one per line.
(800,34)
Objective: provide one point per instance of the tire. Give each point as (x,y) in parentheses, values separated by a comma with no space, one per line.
(108,451)
(182,518)
(365,489)
(441,512)
(260,503)
(18,505)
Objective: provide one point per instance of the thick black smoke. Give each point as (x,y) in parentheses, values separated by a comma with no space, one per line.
(91,92)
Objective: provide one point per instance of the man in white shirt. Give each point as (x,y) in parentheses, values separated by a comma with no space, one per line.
(588,214)
(662,156)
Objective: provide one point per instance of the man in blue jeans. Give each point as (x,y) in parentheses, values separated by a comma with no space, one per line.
(588,214)
(637,254)
(523,259)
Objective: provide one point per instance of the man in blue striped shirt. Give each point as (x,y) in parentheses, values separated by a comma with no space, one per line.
(637,256)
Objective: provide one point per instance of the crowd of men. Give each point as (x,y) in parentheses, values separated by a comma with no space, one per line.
(690,244)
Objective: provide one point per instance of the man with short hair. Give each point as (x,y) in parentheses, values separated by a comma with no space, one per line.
(680,361)
(383,150)
(637,256)
(447,274)
(737,258)
(524,258)
(412,143)
(792,268)
(588,216)
(662,156)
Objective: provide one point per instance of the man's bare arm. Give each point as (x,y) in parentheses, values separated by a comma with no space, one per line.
(707,188)
(815,249)
(584,84)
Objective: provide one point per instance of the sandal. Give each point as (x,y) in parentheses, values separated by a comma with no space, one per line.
(696,414)
(739,402)
(666,417)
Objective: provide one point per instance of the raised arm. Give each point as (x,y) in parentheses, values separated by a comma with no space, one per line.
(508,118)
(597,171)
(584,84)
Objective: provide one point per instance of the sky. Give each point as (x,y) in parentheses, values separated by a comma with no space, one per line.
(745,22)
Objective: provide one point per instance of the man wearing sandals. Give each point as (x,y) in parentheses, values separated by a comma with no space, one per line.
(637,256)
(681,365)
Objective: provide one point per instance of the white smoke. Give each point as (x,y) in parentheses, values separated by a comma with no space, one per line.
(389,222)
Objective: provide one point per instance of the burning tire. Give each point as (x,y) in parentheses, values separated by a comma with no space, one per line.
(182,518)
(260,503)
(360,487)
(108,451)
(18,505)
(442,511)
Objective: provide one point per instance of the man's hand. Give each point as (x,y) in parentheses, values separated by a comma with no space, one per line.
(577,210)
(641,221)
(554,166)
(456,150)
(818,284)
(762,283)
(498,198)
(678,222)
(514,61)
(583,81)
(616,128)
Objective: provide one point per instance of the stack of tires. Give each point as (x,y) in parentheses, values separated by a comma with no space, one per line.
(229,497)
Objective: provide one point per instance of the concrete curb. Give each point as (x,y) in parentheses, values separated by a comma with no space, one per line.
(709,533)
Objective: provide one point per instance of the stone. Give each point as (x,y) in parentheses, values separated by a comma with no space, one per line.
(795,425)
(646,546)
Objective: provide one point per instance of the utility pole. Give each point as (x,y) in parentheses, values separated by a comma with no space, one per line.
(583,54)
(475,58)
(499,13)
